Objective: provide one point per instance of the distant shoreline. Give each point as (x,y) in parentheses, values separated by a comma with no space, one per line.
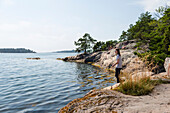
(65,51)
(17,50)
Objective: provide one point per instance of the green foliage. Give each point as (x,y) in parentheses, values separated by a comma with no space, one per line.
(153,32)
(111,43)
(138,48)
(140,30)
(103,46)
(88,44)
(155,61)
(160,36)
(99,46)
(160,11)
(85,43)
(138,44)
(123,37)
(160,39)
(136,88)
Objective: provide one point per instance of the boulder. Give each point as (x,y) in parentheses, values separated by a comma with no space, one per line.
(93,57)
(167,61)
(80,56)
(107,58)
(167,64)
(162,75)
(140,75)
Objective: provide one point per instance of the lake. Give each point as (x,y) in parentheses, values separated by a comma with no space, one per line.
(45,85)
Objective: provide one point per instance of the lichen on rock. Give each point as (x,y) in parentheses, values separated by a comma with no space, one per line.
(97,101)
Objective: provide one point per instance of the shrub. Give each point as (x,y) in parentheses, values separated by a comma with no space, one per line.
(136,88)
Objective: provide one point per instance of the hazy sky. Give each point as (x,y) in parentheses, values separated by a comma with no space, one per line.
(51,25)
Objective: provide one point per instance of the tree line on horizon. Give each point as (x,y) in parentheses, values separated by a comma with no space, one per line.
(152,30)
(17,50)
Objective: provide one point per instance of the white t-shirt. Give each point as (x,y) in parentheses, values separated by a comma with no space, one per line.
(119,65)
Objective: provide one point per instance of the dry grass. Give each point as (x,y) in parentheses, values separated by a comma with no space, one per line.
(140,87)
(138,84)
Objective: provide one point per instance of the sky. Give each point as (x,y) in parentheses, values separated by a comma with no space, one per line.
(53,25)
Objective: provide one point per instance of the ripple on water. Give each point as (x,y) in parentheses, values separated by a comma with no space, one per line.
(45,86)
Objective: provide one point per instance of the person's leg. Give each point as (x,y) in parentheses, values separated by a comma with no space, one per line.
(117,74)
(119,71)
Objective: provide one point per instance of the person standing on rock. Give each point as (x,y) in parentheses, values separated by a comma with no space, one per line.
(118,64)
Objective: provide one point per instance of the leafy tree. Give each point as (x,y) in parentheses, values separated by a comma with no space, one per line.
(140,30)
(103,46)
(99,46)
(160,11)
(85,43)
(130,32)
(123,37)
(158,39)
(111,43)
(152,31)
(160,36)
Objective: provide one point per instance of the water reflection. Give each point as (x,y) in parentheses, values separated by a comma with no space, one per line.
(90,77)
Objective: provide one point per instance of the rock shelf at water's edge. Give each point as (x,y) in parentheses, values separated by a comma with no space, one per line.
(107,100)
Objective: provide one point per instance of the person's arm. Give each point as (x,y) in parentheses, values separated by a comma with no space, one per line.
(116,62)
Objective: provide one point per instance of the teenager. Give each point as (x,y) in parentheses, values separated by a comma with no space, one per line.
(118,64)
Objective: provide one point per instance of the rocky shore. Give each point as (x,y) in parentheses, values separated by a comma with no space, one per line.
(109,101)
(132,64)
(106,100)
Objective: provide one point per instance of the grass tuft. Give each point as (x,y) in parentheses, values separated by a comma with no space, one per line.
(140,87)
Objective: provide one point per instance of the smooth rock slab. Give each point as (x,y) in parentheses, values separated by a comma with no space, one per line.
(109,101)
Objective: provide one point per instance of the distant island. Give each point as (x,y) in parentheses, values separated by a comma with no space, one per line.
(17,50)
(65,51)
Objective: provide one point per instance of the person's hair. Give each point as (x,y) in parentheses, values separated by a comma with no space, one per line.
(118,52)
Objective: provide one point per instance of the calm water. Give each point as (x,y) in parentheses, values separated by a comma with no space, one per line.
(46,85)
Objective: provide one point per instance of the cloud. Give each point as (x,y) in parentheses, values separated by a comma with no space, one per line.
(151,5)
